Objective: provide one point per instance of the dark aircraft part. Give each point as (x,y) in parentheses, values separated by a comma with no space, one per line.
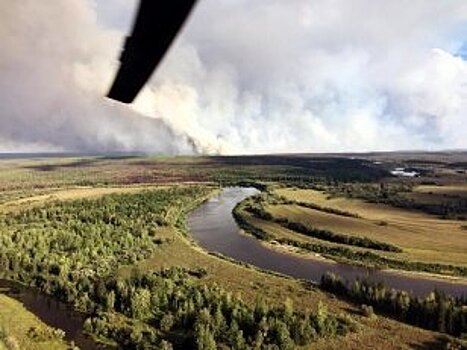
(156,25)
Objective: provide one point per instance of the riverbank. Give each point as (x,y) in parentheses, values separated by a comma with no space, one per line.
(214,228)
(21,329)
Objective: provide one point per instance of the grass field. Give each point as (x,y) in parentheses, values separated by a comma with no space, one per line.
(16,323)
(458,190)
(67,194)
(448,194)
(422,237)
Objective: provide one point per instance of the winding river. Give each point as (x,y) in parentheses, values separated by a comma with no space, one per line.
(214,228)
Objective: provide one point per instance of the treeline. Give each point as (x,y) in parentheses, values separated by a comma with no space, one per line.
(368,258)
(255,207)
(174,310)
(243,223)
(395,194)
(297,169)
(278,200)
(330,236)
(341,253)
(437,311)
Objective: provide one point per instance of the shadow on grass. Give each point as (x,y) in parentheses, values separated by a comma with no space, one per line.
(81,163)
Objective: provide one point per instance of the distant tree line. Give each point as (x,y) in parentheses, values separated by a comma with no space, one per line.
(281,200)
(395,194)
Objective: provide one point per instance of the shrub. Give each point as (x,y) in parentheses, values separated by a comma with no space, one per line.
(367,311)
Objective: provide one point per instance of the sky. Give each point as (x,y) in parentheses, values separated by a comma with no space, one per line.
(243,77)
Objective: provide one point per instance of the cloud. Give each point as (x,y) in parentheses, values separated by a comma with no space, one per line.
(56,63)
(317,75)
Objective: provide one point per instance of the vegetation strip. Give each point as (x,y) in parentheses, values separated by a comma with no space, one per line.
(344,254)
(437,311)
(309,205)
(255,207)
(397,195)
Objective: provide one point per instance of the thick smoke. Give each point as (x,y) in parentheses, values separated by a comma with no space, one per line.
(56,63)
(244,77)
(317,75)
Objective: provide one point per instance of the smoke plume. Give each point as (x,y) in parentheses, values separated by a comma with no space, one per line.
(318,75)
(56,63)
(243,77)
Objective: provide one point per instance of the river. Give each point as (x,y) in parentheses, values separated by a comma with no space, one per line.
(214,228)
(52,312)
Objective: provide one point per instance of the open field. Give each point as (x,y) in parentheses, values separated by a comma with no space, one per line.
(421,236)
(459,190)
(17,325)
(68,194)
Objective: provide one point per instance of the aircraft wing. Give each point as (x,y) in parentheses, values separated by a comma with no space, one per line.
(156,25)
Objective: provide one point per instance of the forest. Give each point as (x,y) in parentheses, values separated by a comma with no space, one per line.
(177,312)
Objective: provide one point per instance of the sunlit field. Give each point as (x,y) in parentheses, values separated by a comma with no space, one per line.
(421,236)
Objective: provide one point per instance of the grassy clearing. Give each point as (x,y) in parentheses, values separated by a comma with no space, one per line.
(458,190)
(451,198)
(422,237)
(17,322)
(67,194)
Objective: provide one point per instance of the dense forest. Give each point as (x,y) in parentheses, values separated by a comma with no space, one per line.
(62,246)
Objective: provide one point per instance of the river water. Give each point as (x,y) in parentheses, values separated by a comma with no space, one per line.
(52,312)
(214,228)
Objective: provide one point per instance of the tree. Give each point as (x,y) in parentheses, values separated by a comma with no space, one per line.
(110,301)
(140,303)
(204,338)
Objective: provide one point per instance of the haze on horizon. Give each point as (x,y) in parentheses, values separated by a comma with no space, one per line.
(243,77)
